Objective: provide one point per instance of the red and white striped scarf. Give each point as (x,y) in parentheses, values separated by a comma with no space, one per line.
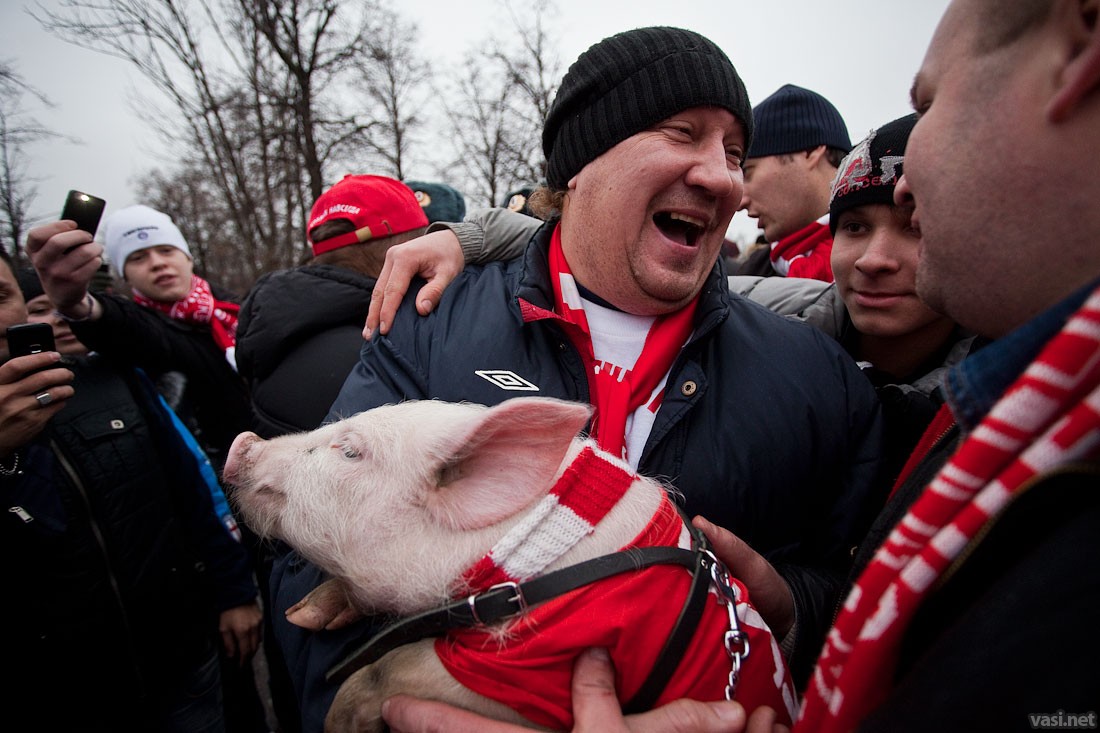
(200,306)
(588,489)
(617,390)
(1049,417)
(805,253)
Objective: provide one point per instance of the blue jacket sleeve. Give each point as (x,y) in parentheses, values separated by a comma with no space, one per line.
(225,559)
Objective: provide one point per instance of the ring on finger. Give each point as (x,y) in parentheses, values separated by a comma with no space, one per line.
(44,398)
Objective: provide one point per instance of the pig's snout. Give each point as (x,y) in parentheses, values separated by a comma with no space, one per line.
(236,463)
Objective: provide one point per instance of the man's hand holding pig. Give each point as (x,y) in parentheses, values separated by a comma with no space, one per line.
(769,592)
(240,629)
(66,259)
(596,709)
(24,410)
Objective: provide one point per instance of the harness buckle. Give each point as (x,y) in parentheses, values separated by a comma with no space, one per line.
(493,592)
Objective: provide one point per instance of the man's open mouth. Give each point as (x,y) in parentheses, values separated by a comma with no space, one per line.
(680,227)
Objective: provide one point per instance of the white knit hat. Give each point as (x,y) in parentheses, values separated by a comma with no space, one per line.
(138,227)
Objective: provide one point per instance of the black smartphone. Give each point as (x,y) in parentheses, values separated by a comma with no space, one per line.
(30,338)
(85,209)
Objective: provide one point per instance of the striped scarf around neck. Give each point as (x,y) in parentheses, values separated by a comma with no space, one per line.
(1048,417)
(200,306)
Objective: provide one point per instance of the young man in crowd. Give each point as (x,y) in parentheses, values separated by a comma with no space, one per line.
(800,140)
(303,325)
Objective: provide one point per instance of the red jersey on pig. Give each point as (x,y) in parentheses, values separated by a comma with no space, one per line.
(412,506)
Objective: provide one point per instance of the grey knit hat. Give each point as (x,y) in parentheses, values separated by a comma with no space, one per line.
(630,81)
(794,119)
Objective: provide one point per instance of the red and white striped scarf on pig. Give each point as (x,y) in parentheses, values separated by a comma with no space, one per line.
(529,667)
(1050,416)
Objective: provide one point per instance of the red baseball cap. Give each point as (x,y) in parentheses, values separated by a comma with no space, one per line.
(377,206)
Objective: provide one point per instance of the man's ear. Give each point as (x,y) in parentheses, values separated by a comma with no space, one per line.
(1081,75)
(815,155)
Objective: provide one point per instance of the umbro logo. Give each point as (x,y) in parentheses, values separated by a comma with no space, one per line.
(506,379)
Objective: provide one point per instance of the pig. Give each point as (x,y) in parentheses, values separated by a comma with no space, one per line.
(413,505)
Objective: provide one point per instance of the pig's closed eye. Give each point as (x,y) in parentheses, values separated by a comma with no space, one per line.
(349,450)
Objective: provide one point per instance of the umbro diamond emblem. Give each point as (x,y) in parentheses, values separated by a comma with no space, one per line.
(506,379)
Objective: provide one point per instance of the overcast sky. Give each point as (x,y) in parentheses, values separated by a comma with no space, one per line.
(860,54)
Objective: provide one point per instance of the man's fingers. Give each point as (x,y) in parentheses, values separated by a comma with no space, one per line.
(406,714)
(38,236)
(690,716)
(594,686)
(389,291)
(762,720)
(766,586)
(729,548)
(375,309)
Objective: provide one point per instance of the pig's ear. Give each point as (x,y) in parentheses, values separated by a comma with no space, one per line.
(504,460)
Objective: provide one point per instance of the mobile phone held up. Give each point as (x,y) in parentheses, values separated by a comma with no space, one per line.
(83,208)
(30,338)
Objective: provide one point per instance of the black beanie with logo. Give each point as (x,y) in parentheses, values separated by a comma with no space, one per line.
(870,172)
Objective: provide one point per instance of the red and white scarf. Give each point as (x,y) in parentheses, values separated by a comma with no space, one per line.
(200,306)
(1049,417)
(617,389)
(805,253)
(530,665)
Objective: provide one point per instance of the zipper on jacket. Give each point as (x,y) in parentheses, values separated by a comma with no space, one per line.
(82,491)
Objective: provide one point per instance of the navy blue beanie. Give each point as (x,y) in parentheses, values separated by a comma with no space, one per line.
(439,201)
(627,83)
(794,119)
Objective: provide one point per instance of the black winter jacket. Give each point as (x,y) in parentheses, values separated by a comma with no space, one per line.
(299,335)
(117,565)
(1005,634)
(215,394)
(767,426)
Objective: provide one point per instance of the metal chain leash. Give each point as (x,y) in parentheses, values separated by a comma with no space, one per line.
(734,639)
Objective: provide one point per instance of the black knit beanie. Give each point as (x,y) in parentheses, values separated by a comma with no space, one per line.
(794,119)
(869,173)
(627,83)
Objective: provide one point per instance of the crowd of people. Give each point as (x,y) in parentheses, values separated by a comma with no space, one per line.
(884,417)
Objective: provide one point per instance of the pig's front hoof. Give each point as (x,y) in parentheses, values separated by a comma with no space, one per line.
(358,705)
(326,607)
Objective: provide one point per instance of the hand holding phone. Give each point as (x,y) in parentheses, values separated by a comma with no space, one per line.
(83,208)
(30,338)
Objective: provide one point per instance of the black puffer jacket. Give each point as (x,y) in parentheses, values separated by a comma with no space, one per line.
(215,396)
(299,335)
(117,565)
(767,426)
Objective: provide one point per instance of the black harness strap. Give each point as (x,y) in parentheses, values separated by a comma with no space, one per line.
(677,642)
(507,599)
